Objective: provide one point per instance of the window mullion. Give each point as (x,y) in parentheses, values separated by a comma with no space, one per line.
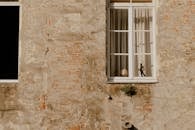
(130,42)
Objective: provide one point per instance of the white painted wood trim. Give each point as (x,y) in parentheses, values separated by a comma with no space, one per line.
(130,30)
(20,42)
(128,80)
(119,30)
(9,81)
(154,44)
(10,3)
(119,7)
(119,54)
(142,30)
(123,5)
(142,53)
(130,44)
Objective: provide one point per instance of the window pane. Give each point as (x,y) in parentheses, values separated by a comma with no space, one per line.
(142,18)
(142,30)
(119,19)
(136,1)
(142,42)
(9,33)
(7,0)
(142,66)
(119,42)
(119,66)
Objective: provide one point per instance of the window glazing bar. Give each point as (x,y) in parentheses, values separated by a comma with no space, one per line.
(130,41)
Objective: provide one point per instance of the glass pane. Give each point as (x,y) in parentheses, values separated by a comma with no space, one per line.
(142,18)
(119,42)
(7,0)
(119,19)
(142,30)
(119,66)
(142,42)
(9,31)
(135,1)
(142,66)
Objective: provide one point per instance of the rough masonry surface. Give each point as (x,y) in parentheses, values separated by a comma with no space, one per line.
(62,77)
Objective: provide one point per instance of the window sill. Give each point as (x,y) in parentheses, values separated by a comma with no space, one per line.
(137,80)
(9,81)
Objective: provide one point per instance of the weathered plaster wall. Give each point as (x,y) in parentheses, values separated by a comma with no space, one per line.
(62,83)
(173,97)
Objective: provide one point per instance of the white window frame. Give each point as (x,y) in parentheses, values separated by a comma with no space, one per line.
(130,78)
(15,3)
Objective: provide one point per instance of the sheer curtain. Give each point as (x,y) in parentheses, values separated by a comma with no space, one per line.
(142,40)
(119,42)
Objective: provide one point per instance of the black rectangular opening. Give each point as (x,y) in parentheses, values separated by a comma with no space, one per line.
(8,0)
(9,39)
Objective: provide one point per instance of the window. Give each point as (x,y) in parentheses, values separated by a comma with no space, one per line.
(131,41)
(9,39)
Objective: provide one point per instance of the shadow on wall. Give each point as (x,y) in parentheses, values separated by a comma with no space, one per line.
(132,128)
(129,126)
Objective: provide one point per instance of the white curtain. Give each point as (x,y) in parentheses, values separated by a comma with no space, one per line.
(119,42)
(142,40)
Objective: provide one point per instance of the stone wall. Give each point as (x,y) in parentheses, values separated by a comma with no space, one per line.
(62,79)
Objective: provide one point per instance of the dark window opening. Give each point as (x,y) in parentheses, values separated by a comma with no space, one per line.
(9,39)
(8,0)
